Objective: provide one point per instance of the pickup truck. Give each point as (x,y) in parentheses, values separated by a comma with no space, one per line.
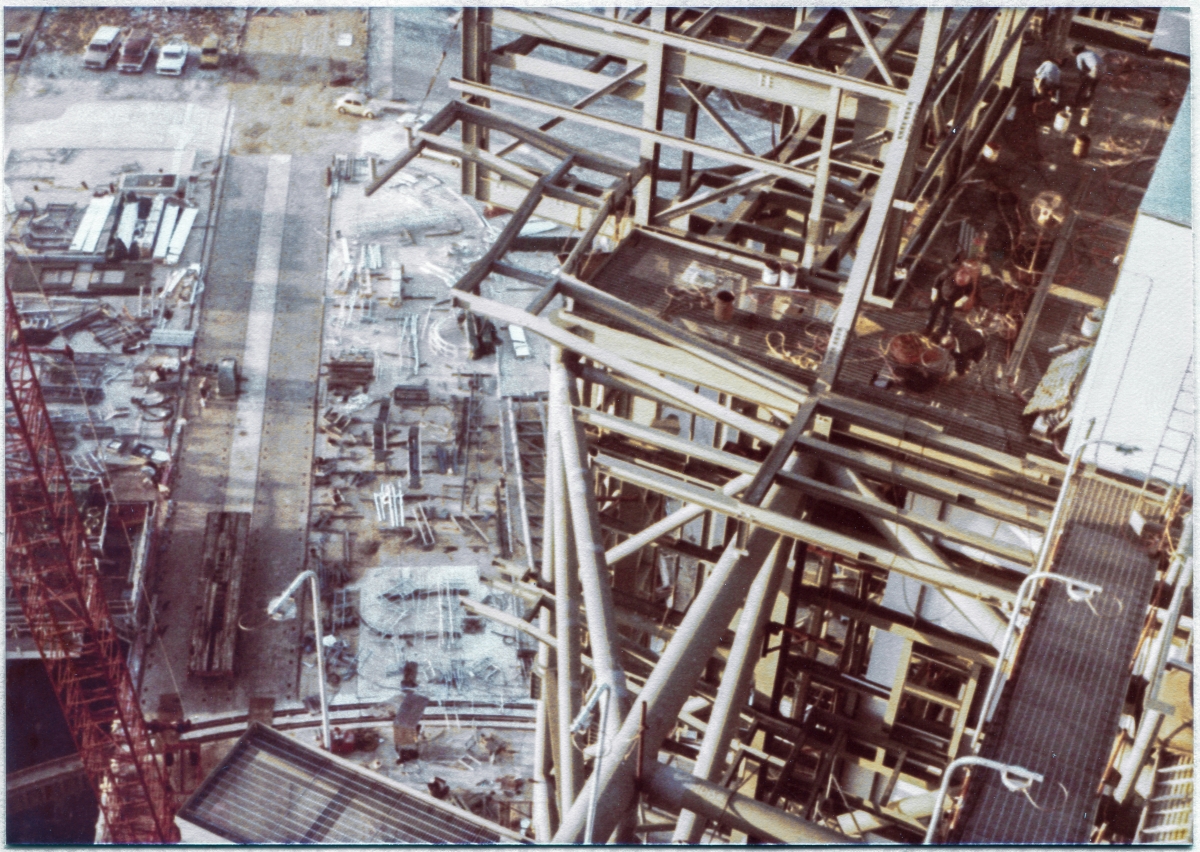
(172,57)
(135,52)
(101,48)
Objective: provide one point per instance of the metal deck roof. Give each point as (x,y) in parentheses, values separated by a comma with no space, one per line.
(1169,195)
(274,789)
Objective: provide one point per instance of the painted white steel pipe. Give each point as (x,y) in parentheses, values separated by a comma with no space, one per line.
(275,605)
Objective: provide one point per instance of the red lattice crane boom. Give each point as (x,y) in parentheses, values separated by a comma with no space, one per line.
(58,584)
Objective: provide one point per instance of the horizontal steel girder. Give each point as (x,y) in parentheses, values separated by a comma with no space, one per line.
(704,62)
(809,486)
(748,160)
(842,545)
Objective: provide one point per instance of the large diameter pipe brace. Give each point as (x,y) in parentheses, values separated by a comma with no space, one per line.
(671,682)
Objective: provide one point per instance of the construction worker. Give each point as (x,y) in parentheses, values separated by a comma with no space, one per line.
(1047,81)
(967,346)
(951,290)
(1088,64)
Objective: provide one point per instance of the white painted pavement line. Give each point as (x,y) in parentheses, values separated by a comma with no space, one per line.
(247,431)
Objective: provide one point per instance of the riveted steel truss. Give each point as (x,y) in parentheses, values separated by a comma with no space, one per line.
(58,584)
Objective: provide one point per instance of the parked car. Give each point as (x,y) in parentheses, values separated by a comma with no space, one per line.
(355,103)
(172,57)
(14,45)
(210,51)
(102,47)
(135,52)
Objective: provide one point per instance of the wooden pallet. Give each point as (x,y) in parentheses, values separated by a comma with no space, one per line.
(214,627)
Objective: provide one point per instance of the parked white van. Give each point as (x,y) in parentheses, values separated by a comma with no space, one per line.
(102,47)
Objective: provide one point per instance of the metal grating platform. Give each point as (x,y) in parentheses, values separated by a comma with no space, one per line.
(1059,713)
(273,789)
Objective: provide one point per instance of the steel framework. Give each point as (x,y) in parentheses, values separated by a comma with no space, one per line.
(725,546)
(58,583)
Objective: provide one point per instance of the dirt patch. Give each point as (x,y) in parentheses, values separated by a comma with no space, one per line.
(285,78)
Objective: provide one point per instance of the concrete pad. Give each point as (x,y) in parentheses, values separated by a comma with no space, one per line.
(244,448)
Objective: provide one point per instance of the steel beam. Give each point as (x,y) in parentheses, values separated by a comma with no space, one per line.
(670,390)
(509,171)
(650,150)
(954,140)
(716,117)
(440,123)
(483,267)
(869,44)
(640,133)
(476,48)
(730,65)
(881,204)
(757,178)
(736,682)
(673,789)
(903,624)
(673,521)
(594,580)
(671,681)
(610,86)
(845,546)
(812,227)
(868,505)
(563,572)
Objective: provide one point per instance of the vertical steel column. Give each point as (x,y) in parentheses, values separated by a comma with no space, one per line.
(652,114)
(566,613)
(476,68)
(585,525)
(678,669)
(543,828)
(735,682)
(812,228)
(901,150)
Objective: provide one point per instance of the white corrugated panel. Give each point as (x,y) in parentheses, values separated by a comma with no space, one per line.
(128,223)
(170,214)
(92,223)
(180,235)
(152,222)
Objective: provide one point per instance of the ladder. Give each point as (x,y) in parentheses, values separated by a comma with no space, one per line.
(1167,816)
(1175,447)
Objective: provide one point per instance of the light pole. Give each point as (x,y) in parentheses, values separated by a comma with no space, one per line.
(273,610)
(1015,778)
(1077,590)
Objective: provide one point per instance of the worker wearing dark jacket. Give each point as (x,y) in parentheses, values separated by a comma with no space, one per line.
(951,290)
(967,346)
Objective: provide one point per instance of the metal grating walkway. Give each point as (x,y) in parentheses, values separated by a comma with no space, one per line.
(1059,714)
